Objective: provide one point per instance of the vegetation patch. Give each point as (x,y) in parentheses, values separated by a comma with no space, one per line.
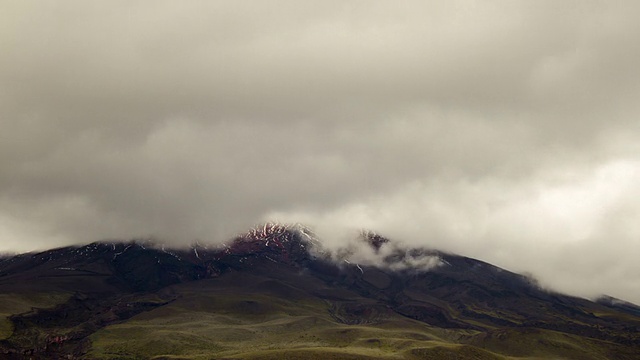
(13,304)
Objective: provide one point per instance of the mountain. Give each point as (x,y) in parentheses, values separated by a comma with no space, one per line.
(619,305)
(275,293)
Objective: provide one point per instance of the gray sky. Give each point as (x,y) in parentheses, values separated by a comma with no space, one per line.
(502,130)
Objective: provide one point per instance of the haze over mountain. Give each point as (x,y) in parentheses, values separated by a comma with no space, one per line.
(504,131)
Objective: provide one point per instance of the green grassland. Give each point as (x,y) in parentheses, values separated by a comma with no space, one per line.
(12,304)
(271,320)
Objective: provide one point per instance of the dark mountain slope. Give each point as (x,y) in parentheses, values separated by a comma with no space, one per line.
(273,293)
(619,305)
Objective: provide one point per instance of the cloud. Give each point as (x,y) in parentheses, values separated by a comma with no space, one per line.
(505,131)
(572,229)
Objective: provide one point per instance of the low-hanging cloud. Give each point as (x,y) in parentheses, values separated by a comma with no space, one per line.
(556,225)
(504,131)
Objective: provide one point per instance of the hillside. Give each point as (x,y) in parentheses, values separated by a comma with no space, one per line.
(274,293)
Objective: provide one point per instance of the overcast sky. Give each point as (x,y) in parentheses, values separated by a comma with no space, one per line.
(502,130)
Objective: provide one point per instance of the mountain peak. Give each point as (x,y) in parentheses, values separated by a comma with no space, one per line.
(375,240)
(274,241)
